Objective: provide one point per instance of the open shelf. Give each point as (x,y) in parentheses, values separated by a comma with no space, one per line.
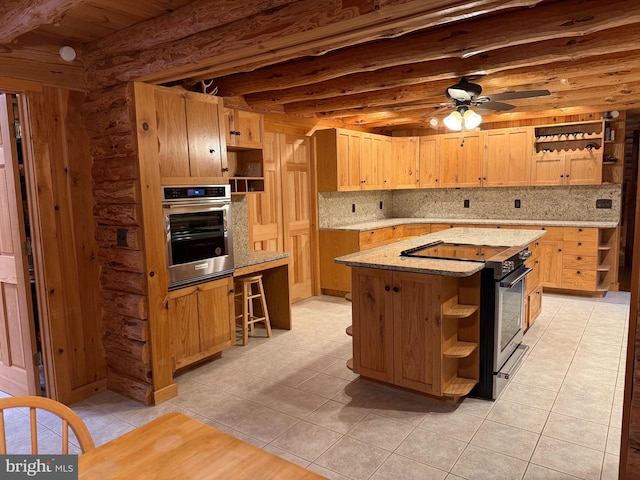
(350,364)
(460,311)
(246,184)
(604,267)
(603,286)
(460,349)
(349,330)
(459,386)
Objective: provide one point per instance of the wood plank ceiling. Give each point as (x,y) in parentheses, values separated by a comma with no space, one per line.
(378,65)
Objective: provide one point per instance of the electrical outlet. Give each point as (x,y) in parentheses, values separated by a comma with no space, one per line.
(517,203)
(466,204)
(353,208)
(604,203)
(121,237)
(380,205)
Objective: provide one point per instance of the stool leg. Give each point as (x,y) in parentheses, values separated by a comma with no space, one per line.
(265,312)
(246,289)
(251,313)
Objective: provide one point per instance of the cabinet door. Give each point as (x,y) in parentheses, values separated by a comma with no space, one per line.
(507,157)
(387,163)
(583,168)
(183,321)
(216,325)
(429,168)
(173,143)
(404,161)
(547,169)
(372,314)
(460,160)
(417,315)
(551,263)
(249,129)
(371,162)
(207,149)
(348,160)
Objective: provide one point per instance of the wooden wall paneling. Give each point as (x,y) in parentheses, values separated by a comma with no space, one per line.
(156,266)
(62,228)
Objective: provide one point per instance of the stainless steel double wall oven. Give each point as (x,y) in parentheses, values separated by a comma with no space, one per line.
(199,238)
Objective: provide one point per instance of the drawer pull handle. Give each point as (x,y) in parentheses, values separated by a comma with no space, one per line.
(579,229)
(578,272)
(396,289)
(579,258)
(579,244)
(387,288)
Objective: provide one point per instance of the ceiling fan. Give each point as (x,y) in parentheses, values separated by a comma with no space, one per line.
(466,94)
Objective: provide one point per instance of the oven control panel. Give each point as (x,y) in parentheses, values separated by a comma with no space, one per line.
(508,266)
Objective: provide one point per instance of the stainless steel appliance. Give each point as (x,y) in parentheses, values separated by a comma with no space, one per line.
(199,239)
(501,307)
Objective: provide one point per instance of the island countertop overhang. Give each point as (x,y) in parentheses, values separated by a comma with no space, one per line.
(388,257)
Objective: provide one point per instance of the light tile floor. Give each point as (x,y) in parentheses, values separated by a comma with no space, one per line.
(560,417)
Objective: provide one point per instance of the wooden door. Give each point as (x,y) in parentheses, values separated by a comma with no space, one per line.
(583,168)
(265,208)
(404,162)
(551,263)
(207,147)
(18,371)
(460,160)
(173,143)
(296,200)
(216,316)
(348,160)
(507,157)
(372,316)
(417,316)
(429,168)
(547,169)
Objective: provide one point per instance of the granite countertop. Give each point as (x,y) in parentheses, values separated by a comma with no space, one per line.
(254,257)
(393,222)
(388,257)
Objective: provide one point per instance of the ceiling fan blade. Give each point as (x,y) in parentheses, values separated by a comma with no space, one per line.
(497,106)
(516,95)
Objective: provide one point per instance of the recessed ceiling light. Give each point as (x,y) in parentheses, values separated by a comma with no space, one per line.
(67,53)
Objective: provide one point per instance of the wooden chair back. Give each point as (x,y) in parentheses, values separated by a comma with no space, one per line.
(69,419)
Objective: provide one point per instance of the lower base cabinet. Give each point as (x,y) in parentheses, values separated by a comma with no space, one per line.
(416,331)
(202,321)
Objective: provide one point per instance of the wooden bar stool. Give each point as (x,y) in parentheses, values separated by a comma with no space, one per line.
(248,290)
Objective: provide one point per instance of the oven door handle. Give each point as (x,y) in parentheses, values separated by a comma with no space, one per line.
(508,282)
(199,204)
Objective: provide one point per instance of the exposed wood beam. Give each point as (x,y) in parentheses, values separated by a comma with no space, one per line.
(570,18)
(305,27)
(441,70)
(18,17)
(191,19)
(552,51)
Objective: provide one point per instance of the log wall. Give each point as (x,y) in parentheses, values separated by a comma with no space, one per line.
(120,239)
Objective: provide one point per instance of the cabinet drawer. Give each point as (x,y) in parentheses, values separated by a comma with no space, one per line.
(573,247)
(579,262)
(534,305)
(579,279)
(553,233)
(581,234)
(376,238)
(534,277)
(413,230)
(534,247)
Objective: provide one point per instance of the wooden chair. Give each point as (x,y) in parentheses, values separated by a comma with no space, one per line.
(69,419)
(248,290)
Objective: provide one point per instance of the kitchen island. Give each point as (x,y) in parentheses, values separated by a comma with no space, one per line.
(416,321)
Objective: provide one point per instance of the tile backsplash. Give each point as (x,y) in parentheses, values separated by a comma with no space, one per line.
(575,203)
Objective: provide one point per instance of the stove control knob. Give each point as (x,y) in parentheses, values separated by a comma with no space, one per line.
(507,266)
(524,254)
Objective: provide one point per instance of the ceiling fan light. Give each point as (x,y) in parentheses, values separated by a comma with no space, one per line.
(471,119)
(453,121)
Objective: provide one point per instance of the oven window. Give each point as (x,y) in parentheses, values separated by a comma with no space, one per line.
(196,236)
(511,310)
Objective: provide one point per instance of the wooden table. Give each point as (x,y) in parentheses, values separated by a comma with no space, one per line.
(176,446)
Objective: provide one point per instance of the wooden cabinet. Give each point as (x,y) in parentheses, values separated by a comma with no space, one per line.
(405,161)
(201,320)
(338,153)
(507,157)
(412,330)
(429,164)
(461,160)
(568,154)
(533,286)
(243,129)
(191,146)
(373,159)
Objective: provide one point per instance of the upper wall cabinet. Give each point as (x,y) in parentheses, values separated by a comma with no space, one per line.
(461,160)
(190,140)
(506,158)
(349,160)
(429,167)
(568,154)
(243,129)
